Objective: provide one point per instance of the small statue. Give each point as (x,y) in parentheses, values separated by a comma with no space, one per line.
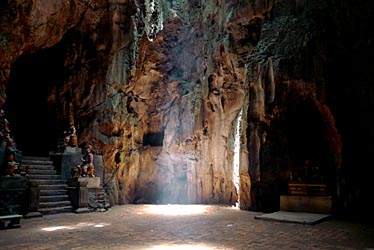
(88,166)
(70,135)
(10,159)
(4,127)
(76,171)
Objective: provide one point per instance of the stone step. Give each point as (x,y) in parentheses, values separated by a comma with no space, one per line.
(51,204)
(36,162)
(36,177)
(56,210)
(53,198)
(41,172)
(53,192)
(53,187)
(49,182)
(40,167)
(35,158)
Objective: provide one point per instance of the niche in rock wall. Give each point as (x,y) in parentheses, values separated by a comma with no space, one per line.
(308,135)
(153,139)
(32,117)
(299,150)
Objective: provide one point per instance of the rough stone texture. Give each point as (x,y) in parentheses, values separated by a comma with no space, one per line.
(157,88)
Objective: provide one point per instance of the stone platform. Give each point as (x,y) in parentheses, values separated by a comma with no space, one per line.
(294,217)
(92,182)
(301,209)
(308,204)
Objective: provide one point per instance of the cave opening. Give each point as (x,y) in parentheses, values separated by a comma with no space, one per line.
(32,116)
(153,139)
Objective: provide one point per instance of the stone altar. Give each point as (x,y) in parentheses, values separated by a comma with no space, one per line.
(92,182)
(14,195)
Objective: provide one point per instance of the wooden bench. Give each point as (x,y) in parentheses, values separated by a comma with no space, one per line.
(12,219)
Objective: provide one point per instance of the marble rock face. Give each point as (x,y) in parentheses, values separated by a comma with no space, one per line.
(192,101)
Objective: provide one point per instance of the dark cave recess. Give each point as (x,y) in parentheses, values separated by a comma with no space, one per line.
(33,120)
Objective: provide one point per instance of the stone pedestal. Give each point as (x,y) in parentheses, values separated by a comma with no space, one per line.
(83,198)
(70,158)
(72,150)
(308,204)
(34,195)
(67,160)
(14,195)
(78,195)
(92,182)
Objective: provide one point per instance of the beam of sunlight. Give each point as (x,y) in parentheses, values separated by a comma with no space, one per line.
(176,210)
(72,227)
(236,162)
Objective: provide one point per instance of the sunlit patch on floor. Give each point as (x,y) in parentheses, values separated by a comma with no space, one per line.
(187,247)
(72,227)
(176,210)
(50,229)
(236,206)
(99,225)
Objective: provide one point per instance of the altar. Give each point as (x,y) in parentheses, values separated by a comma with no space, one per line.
(306,197)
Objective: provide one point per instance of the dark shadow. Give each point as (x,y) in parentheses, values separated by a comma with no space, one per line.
(33,120)
(153,139)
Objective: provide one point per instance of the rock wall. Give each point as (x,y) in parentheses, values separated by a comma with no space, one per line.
(157,87)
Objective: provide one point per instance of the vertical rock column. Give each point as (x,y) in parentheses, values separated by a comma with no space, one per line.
(257,122)
(225,100)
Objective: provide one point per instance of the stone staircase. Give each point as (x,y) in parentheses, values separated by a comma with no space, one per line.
(53,190)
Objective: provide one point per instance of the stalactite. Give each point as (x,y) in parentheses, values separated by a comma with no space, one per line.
(257,97)
(269,84)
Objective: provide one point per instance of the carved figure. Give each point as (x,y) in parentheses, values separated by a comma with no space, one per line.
(88,165)
(4,127)
(76,171)
(10,159)
(70,135)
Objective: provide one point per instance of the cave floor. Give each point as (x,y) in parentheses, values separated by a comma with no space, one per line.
(171,227)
